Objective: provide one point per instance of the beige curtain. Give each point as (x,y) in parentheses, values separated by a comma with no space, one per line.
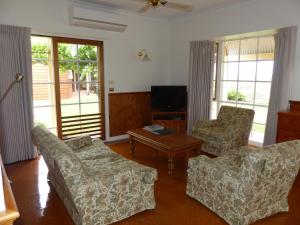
(285,44)
(16,117)
(200,81)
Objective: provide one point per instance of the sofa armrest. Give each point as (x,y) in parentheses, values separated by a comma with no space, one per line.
(89,194)
(102,193)
(149,175)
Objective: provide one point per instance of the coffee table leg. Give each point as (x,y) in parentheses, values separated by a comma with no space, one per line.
(171,165)
(132,145)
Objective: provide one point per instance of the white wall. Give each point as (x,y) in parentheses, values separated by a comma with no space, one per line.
(166,41)
(249,16)
(121,64)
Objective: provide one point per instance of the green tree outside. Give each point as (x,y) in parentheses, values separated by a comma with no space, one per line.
(67,58)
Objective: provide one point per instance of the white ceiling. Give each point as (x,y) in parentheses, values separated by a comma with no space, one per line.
(135,5)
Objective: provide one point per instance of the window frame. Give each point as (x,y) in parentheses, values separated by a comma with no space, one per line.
(220,79)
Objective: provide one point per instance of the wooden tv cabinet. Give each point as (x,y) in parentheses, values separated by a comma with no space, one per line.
(176,119)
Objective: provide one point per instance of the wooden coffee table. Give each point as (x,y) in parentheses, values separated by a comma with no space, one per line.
(172,144)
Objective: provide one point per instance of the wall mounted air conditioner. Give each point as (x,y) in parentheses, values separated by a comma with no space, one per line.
(95,19)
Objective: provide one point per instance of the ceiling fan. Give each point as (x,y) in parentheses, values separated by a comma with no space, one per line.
(157,3)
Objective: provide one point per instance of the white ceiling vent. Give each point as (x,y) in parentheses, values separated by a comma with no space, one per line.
(84,17)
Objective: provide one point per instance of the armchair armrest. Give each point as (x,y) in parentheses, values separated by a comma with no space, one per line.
(200,162)
(224,178)
(212,166)
(206,123)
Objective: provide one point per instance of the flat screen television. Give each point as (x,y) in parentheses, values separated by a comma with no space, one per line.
(168,98)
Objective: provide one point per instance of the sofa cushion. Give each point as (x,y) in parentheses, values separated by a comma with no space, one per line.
(98,161)
(79,142)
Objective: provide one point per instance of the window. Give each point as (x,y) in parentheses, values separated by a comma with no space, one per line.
(245,77)
(68,86)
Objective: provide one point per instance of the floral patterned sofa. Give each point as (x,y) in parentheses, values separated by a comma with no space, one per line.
(96,185)
(245,185)
(230,130)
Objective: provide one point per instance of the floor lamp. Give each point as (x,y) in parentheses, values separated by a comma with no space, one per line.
(19,77)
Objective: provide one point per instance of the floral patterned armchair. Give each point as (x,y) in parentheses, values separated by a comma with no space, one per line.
(230,130)
(245,185)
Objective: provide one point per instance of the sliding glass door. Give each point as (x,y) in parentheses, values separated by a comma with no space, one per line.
(78,87)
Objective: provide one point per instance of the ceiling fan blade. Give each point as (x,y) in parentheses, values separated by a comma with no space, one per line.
(179,6)
(145,8)
(140,0)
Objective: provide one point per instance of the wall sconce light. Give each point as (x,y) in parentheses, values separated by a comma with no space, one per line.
(143,55)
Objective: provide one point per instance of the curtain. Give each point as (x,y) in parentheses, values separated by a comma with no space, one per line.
(200,81)
(285,44)
(16,116)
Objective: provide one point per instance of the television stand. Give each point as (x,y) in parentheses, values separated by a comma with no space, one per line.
(171,119)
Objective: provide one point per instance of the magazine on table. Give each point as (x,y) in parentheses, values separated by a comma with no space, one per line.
(159,130)
(154,127)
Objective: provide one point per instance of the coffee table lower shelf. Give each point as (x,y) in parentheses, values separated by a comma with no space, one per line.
(172,144)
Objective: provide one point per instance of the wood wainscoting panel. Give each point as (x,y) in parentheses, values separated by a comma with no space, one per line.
(128,111)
